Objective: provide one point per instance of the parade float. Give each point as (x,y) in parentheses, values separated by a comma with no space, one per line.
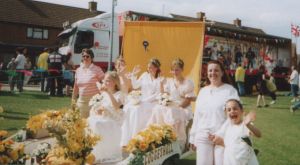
(59,137)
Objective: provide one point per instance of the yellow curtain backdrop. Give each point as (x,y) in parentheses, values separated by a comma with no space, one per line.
(166,41)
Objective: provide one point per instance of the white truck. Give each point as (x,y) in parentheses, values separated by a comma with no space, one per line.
(93,33)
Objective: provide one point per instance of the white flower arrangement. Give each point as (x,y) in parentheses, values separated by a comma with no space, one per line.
(42,150)
(164,99)
(96,99)
(134,97)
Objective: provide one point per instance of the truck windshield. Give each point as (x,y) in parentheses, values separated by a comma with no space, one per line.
(65,36)
(63,42)
(84,39)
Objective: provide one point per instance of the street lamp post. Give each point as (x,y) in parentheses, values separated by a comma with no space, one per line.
(112,34)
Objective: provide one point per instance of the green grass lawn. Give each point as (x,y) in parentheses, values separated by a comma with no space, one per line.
(279,145)
(18,107)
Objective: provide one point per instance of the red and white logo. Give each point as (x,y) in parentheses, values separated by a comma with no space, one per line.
(99,25)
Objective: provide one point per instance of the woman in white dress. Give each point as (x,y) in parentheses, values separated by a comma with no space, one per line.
(209,114)
(106,119)
(137,115)
(179,112)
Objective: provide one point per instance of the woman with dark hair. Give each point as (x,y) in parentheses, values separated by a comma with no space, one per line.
(86,77)
(209,114)
(137,113)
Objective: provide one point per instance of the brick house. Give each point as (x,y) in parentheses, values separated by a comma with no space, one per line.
(35,25)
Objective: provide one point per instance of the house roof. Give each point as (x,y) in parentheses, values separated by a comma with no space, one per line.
(222,25)
(230,27)
(41,13)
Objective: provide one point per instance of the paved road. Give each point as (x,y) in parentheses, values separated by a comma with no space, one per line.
(5,87)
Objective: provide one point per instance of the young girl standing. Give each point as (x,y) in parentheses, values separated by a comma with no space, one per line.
(234,135)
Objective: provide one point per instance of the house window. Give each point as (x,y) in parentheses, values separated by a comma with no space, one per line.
(37,33)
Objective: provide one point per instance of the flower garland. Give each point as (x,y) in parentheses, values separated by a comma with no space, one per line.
(149,139)
(10,153)
(36,122)
(75,140)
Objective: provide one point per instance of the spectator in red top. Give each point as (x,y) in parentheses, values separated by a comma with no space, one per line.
(85,85)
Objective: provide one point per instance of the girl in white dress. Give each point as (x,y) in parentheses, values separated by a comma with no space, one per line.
(179,112)
(106,119)
(137,115)
(209,114)
(234,135)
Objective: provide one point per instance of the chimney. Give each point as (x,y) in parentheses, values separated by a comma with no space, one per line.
(237,22)
(93,6)
(201,16)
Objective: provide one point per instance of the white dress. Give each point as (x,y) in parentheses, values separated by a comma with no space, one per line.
(173,114)
(237,151)
(108,127)
(137,116)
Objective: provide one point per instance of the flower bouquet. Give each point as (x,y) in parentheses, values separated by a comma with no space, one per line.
(35,124)
(96,99)
(134,97)
(155,136)
(75,140)
(10,152)
(164,99)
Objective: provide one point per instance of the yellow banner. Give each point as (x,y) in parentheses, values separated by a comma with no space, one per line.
(165,41)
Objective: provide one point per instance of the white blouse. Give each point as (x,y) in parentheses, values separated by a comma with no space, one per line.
(150,88)
(180,92)
(209,113)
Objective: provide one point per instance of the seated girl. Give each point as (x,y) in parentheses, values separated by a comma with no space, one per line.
(137,116)
(106,119)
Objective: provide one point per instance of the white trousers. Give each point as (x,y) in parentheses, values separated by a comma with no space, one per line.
(83,105)
(209,154)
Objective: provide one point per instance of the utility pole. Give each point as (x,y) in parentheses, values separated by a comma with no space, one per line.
(112,34)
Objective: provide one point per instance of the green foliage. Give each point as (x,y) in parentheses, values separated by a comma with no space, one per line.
(138,158)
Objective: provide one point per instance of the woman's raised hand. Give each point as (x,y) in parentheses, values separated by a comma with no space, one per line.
(101,87)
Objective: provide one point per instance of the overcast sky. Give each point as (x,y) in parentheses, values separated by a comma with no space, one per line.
(273,16)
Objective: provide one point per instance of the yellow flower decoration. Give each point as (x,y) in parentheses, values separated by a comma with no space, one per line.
(152,137)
